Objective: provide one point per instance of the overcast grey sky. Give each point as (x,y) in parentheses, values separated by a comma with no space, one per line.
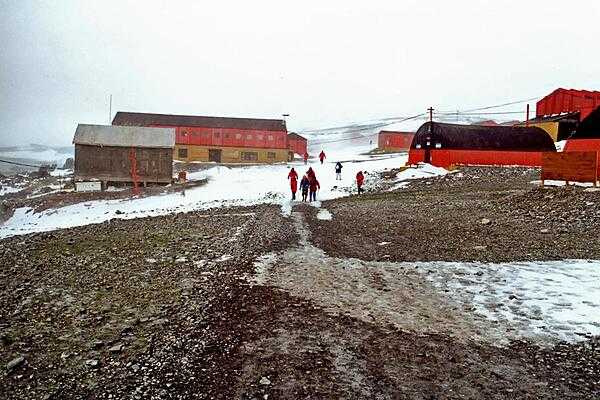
(324,62)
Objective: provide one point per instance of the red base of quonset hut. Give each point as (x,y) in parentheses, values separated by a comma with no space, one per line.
(394,141)
(444,145)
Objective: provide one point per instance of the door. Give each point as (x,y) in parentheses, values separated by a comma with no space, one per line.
(427,148)
(214,155)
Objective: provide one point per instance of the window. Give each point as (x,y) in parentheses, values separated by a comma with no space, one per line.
(249,156)
(249,137)
(260,137)
(270,137)
(216,134)
(238,136)
(182,153)
(270,155)
(226,136)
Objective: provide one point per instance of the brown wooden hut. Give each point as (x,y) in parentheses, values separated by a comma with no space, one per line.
(123,154)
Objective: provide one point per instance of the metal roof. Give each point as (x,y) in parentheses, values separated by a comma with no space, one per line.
(144,119)
(124,136)
(477,137)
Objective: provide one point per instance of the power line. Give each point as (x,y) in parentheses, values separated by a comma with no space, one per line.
(503,105)
(21,164)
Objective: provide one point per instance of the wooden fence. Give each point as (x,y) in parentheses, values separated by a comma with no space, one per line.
(577,166)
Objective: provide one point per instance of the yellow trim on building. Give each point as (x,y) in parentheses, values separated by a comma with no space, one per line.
(230,155)
(551,128)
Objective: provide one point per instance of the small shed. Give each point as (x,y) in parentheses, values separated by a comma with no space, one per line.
(449,144)
(123,154)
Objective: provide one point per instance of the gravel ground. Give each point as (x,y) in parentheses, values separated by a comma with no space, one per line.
(245,303)
(477,214)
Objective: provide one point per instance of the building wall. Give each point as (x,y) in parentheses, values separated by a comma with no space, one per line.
(568,100)
(298,146)
(395,141)
(113,164)
(233,155)
(225,137)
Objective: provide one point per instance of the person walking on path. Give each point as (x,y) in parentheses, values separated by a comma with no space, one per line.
(322,156)
(360,178)
(293,177)
(305,157)
(314,186)
(338,171)
(310,173)
(304,186)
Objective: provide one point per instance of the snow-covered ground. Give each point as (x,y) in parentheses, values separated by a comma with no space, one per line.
(9,189)
(226,186)
(557,300)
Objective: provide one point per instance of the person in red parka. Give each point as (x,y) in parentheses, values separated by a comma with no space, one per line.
(314,186)
(360,178)
(322,156)
(305,157)
(293,177)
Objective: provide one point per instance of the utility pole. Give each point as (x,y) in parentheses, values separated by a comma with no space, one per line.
(430,109)
(527,120)
(110,110)
(284,121)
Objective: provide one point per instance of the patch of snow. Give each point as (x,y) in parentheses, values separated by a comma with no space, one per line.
(421,171)
(61,172)
(324,215)
(557,300)
(8,189)
(225,187)
(554,183)
(560,146)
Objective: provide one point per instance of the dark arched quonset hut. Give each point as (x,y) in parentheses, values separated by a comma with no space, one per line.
(448,144)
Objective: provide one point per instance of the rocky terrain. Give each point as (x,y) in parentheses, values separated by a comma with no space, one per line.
(478,214)
(246,303)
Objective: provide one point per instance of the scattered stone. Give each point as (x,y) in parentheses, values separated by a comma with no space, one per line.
(92,363)
(15,362)
(545,231)
(485,221)
(264,381)
(116,348)
(119,212)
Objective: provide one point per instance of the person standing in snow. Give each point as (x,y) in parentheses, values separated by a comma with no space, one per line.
(360,178)
(304,186)
(314,186)
(338,171)
(305,158)
(322,156)
(310,173)
(293,177)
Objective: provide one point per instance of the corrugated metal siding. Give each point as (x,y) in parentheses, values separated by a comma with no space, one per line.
(568,100)
(231,137)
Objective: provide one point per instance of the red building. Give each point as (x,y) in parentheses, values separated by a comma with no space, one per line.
(568,101)
(218,139)
(443,145)
(394,141)
(297,144)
